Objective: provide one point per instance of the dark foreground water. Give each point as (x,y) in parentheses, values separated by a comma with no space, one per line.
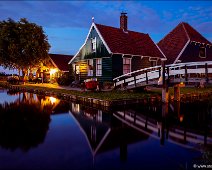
(38,132)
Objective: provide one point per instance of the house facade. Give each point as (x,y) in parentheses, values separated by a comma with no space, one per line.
(109,52)
(54,67)
(185,44)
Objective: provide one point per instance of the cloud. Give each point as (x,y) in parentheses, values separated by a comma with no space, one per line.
(156,18)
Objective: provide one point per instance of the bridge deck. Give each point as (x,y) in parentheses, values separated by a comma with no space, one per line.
(194,72)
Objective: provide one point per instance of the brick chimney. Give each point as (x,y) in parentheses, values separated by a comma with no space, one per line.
(123,21)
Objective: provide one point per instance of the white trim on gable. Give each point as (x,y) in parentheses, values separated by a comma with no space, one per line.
(186,31)
(160,50)
(98,32)
(179,55)
(92,25)
(76,54)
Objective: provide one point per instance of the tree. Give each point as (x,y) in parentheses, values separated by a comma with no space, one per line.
(23,45)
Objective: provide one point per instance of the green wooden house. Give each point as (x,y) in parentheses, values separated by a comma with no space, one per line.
(109,52)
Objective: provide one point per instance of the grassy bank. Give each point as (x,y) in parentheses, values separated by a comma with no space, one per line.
(110,95)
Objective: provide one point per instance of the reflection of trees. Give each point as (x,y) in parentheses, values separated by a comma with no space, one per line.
(23,125)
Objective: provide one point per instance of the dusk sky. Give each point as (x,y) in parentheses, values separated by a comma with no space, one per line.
(66,23)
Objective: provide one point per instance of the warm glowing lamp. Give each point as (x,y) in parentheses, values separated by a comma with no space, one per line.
(52,71)
(53,100)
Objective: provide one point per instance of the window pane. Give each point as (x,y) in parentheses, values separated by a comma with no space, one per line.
(202,52)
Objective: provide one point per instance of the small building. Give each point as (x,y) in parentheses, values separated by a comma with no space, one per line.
(185,44)
(109,52)
(59,64)
(53,68)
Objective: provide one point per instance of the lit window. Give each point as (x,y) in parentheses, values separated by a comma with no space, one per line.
(202,52)
(90,67)
(77,69)
(93,44)
(98,67)
(126,65)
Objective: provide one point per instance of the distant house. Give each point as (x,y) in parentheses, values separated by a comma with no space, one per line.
(109,52)
(60,62)
(54,67)
(185,44)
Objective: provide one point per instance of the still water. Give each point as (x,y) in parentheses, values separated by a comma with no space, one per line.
(40,132)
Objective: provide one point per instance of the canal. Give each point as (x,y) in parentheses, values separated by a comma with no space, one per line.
(41,132)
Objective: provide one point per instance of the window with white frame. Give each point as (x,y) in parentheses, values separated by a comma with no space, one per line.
(93,44)
(90,67)
(126,65)
(98,67)
(202,52)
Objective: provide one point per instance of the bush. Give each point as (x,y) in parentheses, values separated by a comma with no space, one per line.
(13,80)
(108,85)
(65,80)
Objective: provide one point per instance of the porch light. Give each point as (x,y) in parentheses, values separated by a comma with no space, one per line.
(52,100)
(52,71)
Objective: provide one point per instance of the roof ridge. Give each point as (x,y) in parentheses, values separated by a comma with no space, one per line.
(121,29)
(185,31)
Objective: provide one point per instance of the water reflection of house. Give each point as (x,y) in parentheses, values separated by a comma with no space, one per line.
(44,101)
(103,132)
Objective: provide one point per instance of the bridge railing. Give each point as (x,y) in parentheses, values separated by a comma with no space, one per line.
(174,72)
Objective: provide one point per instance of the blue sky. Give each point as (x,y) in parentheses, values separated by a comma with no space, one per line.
(66,23)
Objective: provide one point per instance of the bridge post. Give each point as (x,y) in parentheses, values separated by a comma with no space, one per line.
(146,77)
(206,72)
(135,80)
(186,75)
(165,89)
(177,93)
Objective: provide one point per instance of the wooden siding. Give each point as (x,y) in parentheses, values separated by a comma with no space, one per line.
(138,63)
(191,54)
(83,69)
(86,51)
(117,65)
(106,70)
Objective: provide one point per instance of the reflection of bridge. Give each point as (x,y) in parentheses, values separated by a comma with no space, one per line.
(175,73)
(104,131)
(157,130)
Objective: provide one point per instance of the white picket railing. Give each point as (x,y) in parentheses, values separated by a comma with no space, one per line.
(151,75)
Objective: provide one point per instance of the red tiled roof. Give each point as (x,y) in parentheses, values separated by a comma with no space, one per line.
(134,43)
(195,35)
(173,43)
(61,61)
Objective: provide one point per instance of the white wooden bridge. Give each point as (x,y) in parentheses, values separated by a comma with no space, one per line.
(193,72)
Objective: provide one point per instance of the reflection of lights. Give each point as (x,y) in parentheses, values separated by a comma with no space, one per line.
(75,108)
(52,71)
(181,118)
(53,100)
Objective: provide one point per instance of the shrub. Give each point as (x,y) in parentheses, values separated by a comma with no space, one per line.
(65,80)
(13,80)
(108,85)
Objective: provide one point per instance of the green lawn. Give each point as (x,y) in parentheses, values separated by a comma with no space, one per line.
(115,94)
